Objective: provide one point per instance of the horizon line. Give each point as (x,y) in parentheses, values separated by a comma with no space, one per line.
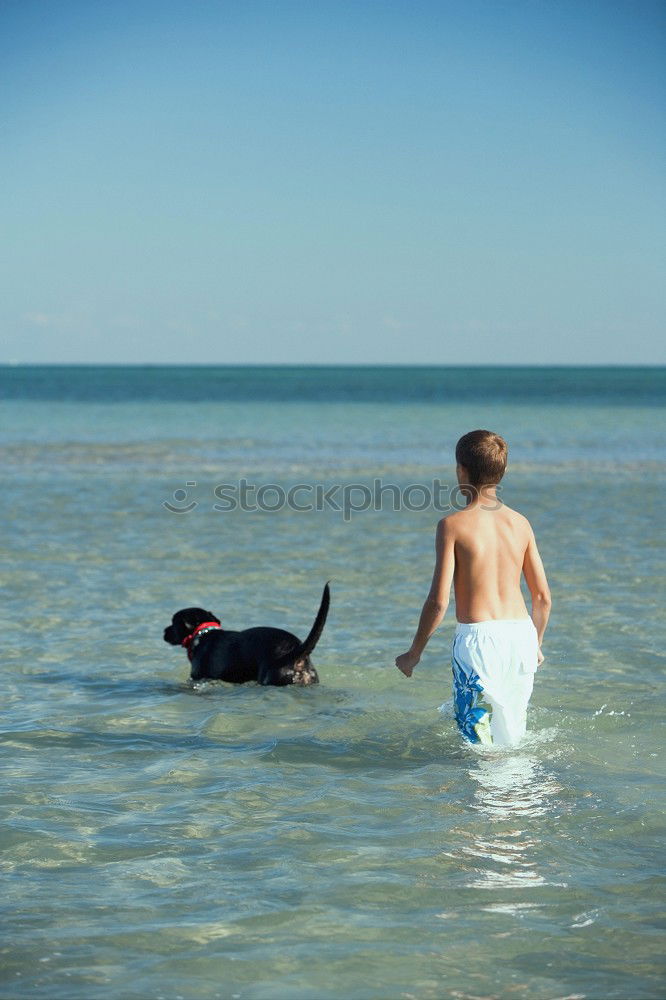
(325,365)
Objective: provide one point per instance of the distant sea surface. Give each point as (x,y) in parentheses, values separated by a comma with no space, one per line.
(164,840)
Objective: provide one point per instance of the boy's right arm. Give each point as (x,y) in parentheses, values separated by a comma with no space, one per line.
(437,600)
(537,584)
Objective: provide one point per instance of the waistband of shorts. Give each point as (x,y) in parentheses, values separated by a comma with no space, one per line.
(493,626)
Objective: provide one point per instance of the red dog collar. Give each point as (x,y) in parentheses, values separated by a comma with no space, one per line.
(191,641)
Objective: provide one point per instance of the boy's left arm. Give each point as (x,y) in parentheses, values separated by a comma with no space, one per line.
(437,600)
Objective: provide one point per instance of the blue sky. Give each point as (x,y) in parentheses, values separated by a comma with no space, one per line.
(383,181)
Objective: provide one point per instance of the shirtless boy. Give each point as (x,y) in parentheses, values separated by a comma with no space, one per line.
(483,549)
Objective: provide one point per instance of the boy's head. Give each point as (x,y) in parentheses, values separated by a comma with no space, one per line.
(482,455)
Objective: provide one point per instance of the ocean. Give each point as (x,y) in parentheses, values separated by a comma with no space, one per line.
(163,840)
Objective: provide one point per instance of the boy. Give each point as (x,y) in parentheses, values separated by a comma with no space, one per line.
(483,549)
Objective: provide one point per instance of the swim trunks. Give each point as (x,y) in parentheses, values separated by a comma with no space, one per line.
(494,661)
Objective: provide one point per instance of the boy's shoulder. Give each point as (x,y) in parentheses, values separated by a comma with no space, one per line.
(518,519)
(458,520)
(514,515)
(452,524)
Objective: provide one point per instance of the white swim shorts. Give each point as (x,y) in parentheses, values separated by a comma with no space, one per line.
(494,661)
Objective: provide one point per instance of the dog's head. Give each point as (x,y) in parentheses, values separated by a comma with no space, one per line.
(184,623)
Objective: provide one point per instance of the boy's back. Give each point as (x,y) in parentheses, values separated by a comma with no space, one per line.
(491,542)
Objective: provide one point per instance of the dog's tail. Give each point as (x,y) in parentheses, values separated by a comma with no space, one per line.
(306,647)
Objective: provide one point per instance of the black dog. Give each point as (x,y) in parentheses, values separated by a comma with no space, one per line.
(266,655)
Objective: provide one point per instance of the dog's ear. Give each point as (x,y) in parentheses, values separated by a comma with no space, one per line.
(189,618)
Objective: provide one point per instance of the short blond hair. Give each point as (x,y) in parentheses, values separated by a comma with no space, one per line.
(483,455)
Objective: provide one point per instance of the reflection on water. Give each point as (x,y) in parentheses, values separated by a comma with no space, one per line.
(512,787)
(511,793)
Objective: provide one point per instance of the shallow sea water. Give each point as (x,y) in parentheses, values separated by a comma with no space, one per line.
(163,840)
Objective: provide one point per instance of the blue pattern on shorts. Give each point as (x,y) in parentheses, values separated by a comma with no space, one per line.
(466,690)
